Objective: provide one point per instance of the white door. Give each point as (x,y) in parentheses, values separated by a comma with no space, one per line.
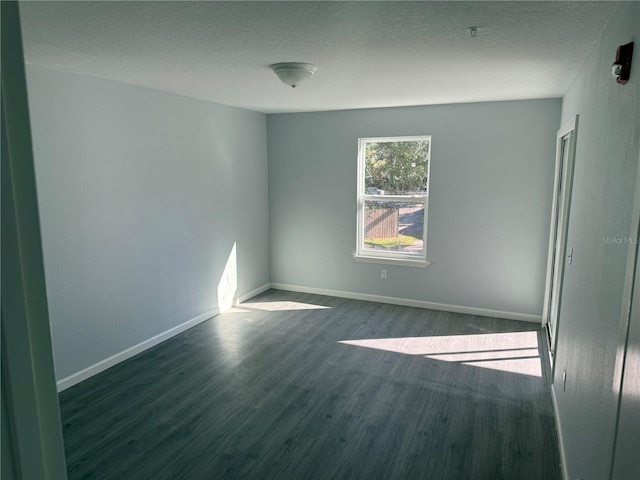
(558,252)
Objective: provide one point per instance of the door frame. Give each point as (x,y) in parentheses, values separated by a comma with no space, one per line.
(32,431)
(563,183)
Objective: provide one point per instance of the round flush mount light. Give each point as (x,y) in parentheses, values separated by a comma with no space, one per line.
(293,73)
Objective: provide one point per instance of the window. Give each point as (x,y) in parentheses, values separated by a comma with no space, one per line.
(393,199)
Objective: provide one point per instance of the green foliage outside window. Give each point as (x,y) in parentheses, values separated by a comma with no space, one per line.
(397,168)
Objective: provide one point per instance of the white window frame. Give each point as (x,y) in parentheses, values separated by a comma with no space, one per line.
(389,257)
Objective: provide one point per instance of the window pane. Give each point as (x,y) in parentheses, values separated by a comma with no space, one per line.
(393,226)
(397,168)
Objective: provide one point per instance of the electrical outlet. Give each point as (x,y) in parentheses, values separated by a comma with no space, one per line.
(383,273)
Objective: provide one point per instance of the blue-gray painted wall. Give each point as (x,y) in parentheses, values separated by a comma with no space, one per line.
(492,167)
(596,286)
(142,196)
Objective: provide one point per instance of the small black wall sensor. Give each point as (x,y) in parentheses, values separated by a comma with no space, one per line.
(621,68)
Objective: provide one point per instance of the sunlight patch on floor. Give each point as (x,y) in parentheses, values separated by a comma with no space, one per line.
(281,306)
(515,352)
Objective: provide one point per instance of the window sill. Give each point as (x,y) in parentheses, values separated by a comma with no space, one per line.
(392,261)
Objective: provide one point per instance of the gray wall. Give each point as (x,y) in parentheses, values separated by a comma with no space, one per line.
(489,206)
(594,286)
(142,196)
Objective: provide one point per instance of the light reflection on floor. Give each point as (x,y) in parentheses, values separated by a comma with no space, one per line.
(281,306)
(237,310)
(515,352)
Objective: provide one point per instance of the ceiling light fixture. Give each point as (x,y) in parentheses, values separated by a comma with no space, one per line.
(292,73)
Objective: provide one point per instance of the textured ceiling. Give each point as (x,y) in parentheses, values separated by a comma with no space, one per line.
(368,54)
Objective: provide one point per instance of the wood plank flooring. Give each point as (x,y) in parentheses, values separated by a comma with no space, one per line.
(267,391)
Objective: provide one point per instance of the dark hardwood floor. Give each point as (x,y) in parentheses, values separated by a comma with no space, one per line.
(267,391)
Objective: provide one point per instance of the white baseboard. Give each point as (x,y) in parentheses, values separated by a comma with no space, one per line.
(563,457)
(252,293)
(411,303)
(109,362)
(101,366)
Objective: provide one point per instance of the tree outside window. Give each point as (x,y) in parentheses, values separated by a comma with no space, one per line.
(393,189)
